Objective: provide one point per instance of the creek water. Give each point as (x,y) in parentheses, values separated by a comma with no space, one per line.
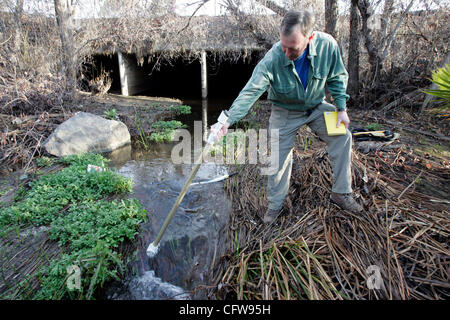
(193,241)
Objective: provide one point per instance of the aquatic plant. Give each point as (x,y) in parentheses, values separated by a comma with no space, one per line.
(143,138)
(111,114)
(164,130)
(183,109)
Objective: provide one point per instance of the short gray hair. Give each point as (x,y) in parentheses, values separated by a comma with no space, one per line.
(298,19)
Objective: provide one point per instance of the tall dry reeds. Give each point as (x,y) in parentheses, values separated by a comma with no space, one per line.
(317,251)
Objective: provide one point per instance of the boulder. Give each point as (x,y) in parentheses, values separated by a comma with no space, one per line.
(86,132)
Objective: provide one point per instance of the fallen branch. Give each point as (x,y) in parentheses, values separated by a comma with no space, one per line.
(415,180)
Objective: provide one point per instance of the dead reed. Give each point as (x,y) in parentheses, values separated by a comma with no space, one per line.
(316,251)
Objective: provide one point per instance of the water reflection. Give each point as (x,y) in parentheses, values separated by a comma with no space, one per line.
(120,156)
(205,119)
(206,110)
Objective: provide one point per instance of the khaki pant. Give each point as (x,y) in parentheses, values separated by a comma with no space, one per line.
(338,147)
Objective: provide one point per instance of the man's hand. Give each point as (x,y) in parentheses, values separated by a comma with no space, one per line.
(342,116)
(219,129)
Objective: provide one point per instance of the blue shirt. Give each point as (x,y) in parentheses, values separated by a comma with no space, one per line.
(302,67)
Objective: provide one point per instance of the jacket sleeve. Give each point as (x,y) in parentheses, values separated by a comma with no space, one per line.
(337,79)
(255,87)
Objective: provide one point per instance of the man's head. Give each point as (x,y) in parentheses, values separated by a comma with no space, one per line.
(296,28)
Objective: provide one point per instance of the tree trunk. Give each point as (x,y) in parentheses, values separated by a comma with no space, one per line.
(63,13)
(353,50)
(18,26)
(385,17)
(378,52)
(372,49)
(331,18)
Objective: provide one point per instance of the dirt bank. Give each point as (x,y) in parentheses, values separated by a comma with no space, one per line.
(22,137)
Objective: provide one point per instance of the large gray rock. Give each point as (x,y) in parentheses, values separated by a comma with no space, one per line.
(86,132)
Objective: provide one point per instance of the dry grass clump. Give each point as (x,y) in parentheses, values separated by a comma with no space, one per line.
(31,106)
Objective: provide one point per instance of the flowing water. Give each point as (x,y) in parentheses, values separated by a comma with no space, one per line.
(192,241)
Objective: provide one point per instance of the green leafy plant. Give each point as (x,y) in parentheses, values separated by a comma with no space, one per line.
(164,130)
(441,77)
(168,125)
(87,223)
(233,144)
(91,231)
(98,265)
(48,195)
(111,114)
(180,109)
(374,126)
(87,228)
(44,161)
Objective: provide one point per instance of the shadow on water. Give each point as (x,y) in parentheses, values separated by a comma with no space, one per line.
(192,241)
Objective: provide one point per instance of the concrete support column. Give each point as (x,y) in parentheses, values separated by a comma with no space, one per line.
(205,119)
(133,79)
(204,75)
(123,74)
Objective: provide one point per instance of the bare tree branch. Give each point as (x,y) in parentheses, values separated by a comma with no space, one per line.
(392,35)
(249,24)
(272,5)
(203,2)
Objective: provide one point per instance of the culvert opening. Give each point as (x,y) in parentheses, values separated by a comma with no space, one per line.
(95,67)
(180,78)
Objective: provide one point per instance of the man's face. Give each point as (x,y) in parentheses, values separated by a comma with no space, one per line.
(294,44)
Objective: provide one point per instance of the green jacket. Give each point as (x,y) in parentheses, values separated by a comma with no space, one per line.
(286,91)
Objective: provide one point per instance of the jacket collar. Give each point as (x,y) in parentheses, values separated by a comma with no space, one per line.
(312,45)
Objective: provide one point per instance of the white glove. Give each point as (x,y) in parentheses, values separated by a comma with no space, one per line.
(218,131)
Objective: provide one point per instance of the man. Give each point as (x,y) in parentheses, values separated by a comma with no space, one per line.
(297,68)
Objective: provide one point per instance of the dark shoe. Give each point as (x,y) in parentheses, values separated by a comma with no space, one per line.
(346,202)
(271,215)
